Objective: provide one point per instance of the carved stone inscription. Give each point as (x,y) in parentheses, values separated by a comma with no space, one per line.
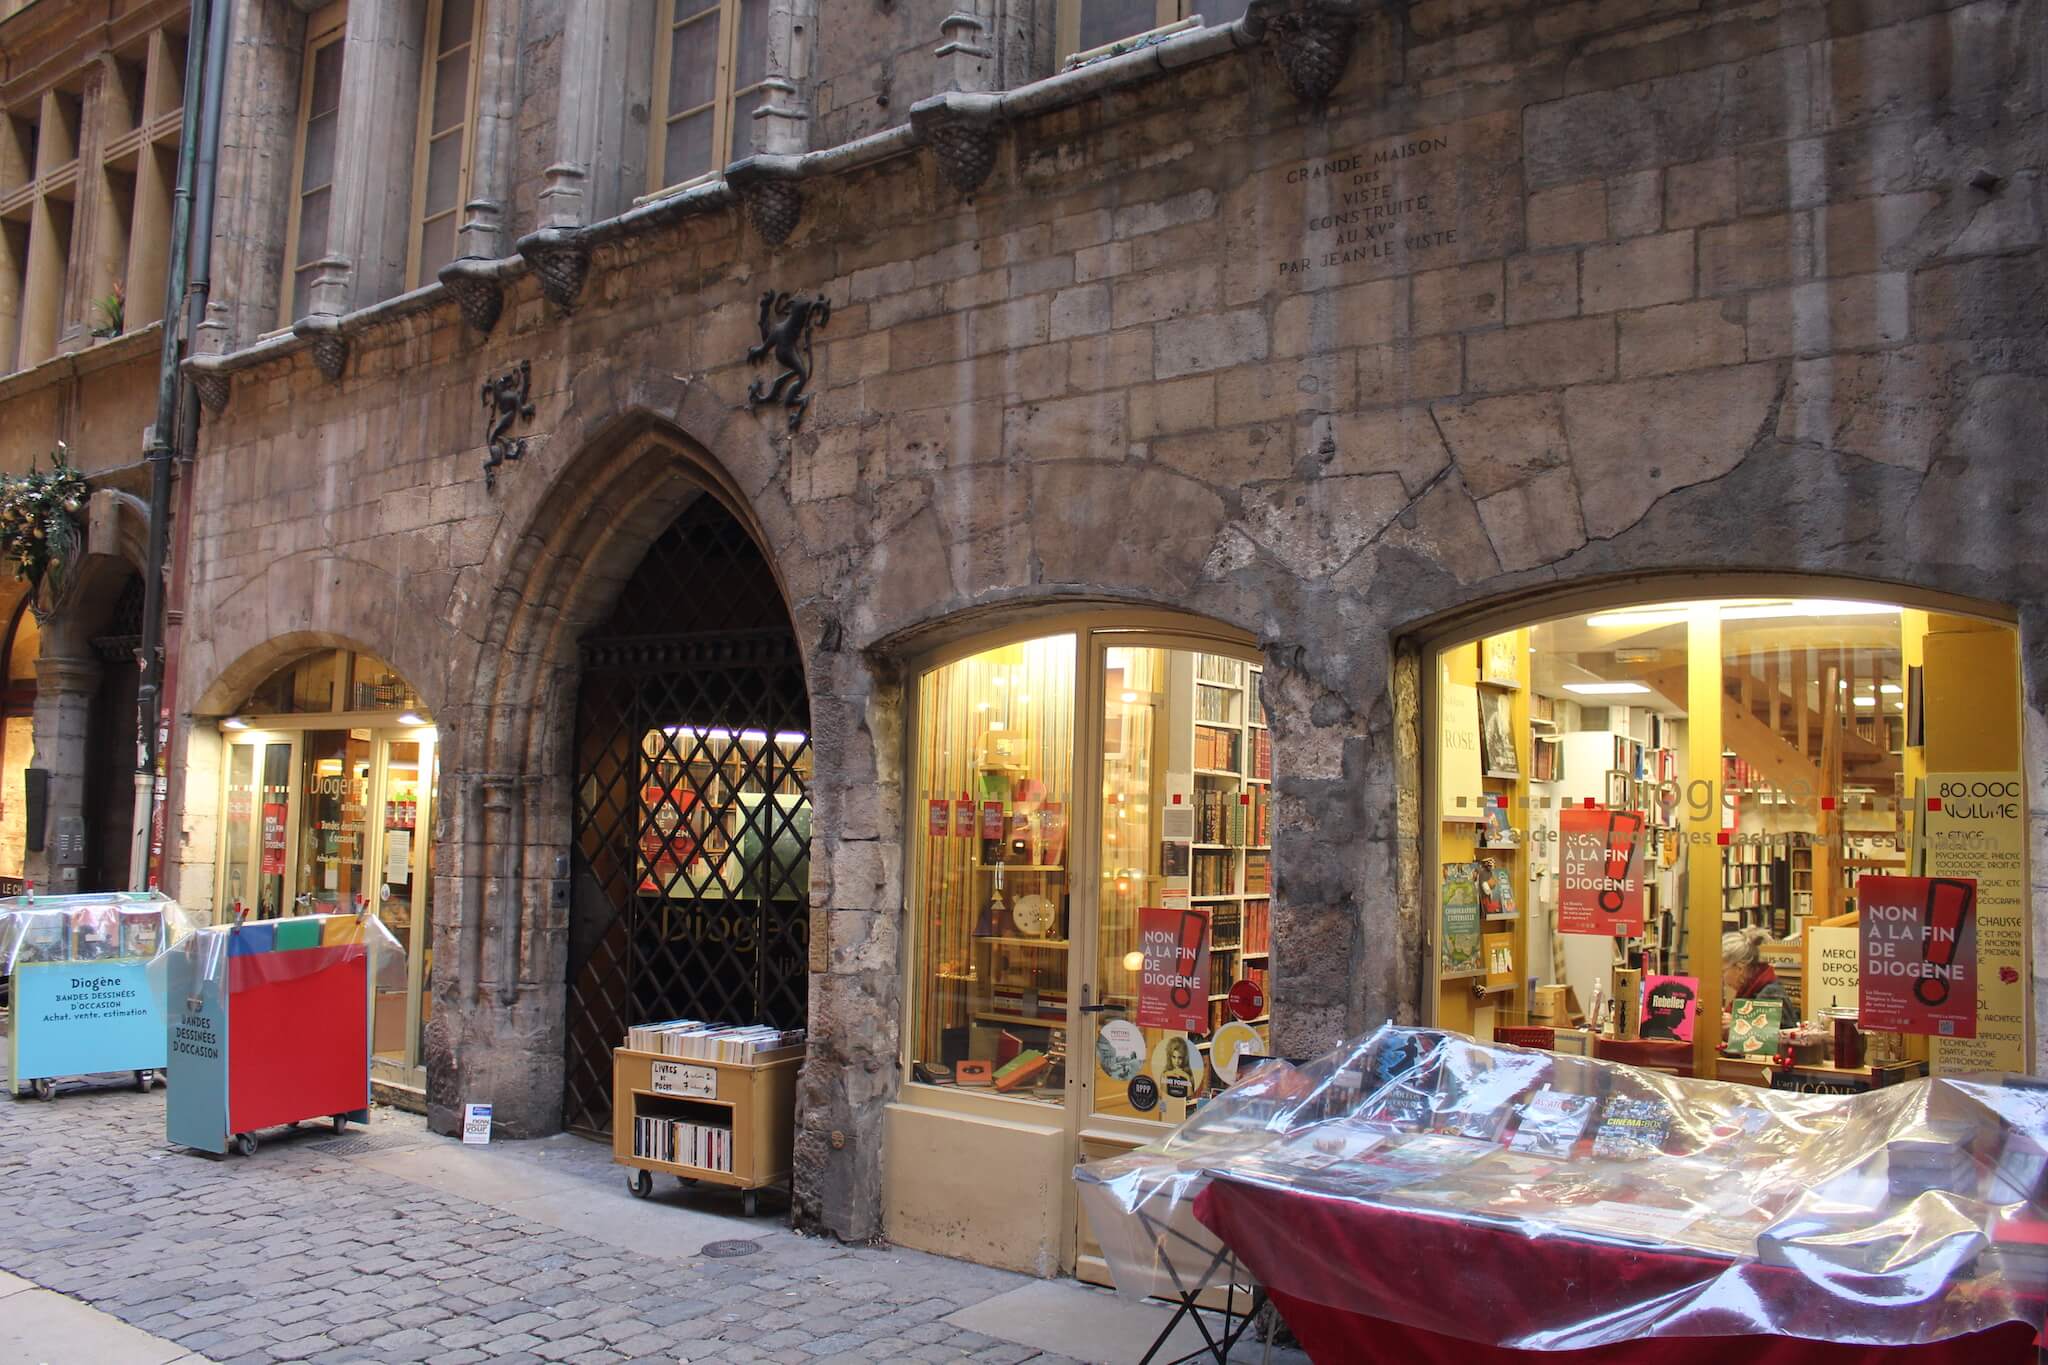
(1387,206)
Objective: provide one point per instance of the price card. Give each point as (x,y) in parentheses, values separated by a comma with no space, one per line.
(676,1078)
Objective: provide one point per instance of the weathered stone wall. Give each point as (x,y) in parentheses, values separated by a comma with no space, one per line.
(1548,293)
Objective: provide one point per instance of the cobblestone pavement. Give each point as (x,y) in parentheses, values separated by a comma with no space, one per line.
(314,1250)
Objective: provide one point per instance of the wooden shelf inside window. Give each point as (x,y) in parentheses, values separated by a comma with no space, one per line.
(1018,1020)
(1023,942)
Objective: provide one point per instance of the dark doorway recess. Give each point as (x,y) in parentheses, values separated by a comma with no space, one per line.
(692,819)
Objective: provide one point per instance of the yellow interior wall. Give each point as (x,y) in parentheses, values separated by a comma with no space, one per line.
(1972,683)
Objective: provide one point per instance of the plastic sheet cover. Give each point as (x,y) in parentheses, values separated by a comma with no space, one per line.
(1596,1202)
(114,926)
(272,952)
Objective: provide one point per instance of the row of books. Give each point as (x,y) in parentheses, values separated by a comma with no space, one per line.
(1224,815)
(711,1042)
(1213,873)
(1216,748)
(706,1146)
(1215,706)
(1258,873)
(1225,921)
(1258,926)
(83,935)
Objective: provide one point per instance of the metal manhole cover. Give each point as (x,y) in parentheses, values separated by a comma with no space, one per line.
(733,1247)
(356,1143)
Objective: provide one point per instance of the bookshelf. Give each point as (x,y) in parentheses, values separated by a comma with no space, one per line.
(1230,858)
(749,1106)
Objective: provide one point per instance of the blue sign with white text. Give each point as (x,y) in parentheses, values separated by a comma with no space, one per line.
(78,1018)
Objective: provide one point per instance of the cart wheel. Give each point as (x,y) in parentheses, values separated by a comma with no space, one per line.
(641,1183)
(45,1088)
(245,1143)
(750,1203)
(341,1123)
(143,1080)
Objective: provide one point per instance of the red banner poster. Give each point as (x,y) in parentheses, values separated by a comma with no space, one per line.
(1919,941)
(963,819)
(273,838)
(1601,861)
(938,816)
(1173,982)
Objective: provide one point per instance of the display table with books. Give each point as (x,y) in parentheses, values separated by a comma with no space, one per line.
(270,1026)
(714,1103)
(88,995)
(1444,1200)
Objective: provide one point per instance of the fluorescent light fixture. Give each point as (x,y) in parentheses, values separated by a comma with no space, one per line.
(1130,696)
(1746,610)
(995,725)
(411,718)
(1891,689)
(1606,689)
(1866,701)
(234,723)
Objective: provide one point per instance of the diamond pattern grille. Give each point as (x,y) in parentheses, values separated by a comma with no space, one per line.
(692,819)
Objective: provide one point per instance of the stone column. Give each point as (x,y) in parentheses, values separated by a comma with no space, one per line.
(252,200)
(494,137)
(65,688)
(782,125)
(369,227)
(600,154)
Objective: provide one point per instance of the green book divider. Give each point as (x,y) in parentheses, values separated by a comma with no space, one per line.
(297,933)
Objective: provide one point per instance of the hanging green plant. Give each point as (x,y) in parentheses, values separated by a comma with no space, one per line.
(39,520)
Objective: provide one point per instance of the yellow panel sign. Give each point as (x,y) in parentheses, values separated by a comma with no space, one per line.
(1974,825)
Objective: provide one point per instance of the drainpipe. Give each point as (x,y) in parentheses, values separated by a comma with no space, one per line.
(162,435)
(198,293)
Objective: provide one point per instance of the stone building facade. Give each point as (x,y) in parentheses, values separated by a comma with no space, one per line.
(90,117)
(1327,325)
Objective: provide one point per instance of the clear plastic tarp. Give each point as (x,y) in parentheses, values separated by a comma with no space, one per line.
(271,952)
(114,926)
(1599,1203)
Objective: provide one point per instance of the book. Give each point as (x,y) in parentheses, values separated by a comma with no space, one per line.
(1670,1005)
(1500,959)
(1021,1070)
(1632,1128)
(1753,1027)
(95,933)
(1458,949)
(973,1072)
(1552,1121)
(141,934)
(45,937)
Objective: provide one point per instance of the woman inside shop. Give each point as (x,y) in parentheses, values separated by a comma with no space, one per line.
(1746,976)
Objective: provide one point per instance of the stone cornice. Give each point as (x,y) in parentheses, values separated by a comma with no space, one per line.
(75,364)
(992,110)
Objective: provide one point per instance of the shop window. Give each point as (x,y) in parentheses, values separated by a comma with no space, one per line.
(710,70)
(1086,25)
(17,739)
(1040,900)
(312,202)
(1655,827)
(447,106)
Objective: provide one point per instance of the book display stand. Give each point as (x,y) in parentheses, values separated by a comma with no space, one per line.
(88,993)
(1612,1213)
(270,1025)
(704,1118)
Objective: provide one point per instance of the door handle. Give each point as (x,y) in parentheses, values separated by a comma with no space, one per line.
(1102,1008)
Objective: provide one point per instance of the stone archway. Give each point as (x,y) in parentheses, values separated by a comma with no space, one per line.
(509,784)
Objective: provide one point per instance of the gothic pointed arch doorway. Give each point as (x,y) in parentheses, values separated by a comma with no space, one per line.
(692,817)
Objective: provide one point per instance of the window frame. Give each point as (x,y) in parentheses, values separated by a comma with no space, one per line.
(723,98)
(323,29)
(1092,632)
(430,58)
(1164,12)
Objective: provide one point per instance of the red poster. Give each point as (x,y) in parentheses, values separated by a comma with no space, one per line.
(1919,941)
(1173,982)
(963,819)
(939,824)
(1601,861)
(273,838)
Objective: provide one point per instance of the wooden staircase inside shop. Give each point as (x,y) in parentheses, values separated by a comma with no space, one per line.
(1806,743)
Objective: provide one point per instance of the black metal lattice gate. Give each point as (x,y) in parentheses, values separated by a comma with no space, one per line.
(692,814)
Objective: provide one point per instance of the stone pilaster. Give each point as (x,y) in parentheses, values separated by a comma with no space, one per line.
(369,227)
(65,688)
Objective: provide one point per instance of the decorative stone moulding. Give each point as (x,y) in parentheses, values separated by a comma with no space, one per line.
(964,132)
(477,292)
(767,185)
(330,347)
(561,261)
(213,389)
(1311,41)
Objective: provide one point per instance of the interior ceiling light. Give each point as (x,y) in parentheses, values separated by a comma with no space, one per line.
(1866,701)
(1891,689)
(234,723)
(1606,689)
(1743,610)
(411,718)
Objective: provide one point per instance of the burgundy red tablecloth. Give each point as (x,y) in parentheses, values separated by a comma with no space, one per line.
(1314,1253)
